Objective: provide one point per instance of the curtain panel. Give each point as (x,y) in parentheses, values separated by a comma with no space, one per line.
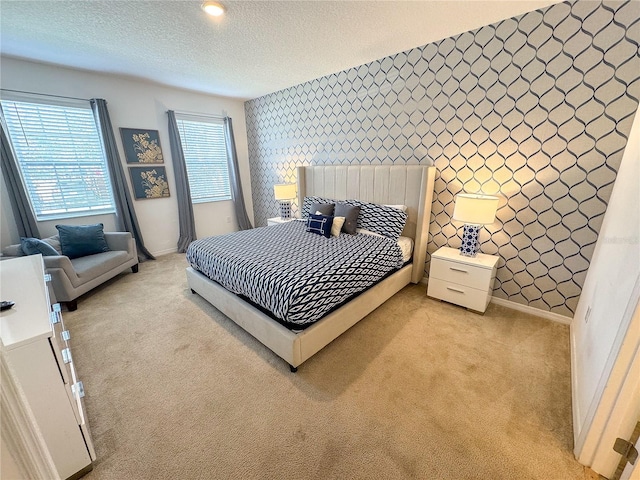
(125,213)
(183,193)
(234,177)
(25,220)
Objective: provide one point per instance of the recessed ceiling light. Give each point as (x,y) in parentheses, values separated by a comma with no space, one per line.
(215,9)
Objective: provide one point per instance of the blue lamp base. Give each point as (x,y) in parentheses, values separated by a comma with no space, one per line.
(470,243)
(285,210)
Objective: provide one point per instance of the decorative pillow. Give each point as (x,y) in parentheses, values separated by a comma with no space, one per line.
(319,224)
(308,201)
(350,214)
(323,208)
(82,240)
(387,221)
(399,207)
(336,226)
(34,246)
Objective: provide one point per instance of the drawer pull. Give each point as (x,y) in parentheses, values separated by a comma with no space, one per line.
(458,270)
(54,317)
(455,290)
(65,335)
(66,355)
(78,389)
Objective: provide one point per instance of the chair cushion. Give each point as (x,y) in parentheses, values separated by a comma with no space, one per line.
(34,246)
(81,240)
(92,266)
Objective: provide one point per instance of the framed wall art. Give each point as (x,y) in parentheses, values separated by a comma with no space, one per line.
(141,146)
(149,182)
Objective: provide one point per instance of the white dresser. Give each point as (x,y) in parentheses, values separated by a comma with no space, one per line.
(465,281)
(36,346)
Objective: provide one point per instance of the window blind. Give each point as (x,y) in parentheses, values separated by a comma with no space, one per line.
(60,157)
(205,155)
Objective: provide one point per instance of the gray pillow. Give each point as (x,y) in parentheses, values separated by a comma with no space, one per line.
(323,208)
(350,214)
(34,246)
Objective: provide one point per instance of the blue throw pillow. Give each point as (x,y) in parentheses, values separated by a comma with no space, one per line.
(319,224)
(82,240)
(34,246)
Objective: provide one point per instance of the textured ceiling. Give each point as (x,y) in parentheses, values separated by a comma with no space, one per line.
(257,48)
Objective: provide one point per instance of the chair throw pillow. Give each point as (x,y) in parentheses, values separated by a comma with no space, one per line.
(82,240)
(34,246)
(319,224)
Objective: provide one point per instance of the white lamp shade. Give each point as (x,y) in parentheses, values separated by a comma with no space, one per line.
(475,209)
(284,191)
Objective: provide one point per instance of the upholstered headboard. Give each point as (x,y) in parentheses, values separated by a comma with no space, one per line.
(410,185)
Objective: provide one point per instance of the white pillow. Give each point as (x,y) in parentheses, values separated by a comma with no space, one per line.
(336,226)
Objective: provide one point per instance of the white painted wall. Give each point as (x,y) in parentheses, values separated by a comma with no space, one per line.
(610,291)
(134,104)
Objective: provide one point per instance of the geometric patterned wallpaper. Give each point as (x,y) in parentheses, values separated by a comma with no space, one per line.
(536,109)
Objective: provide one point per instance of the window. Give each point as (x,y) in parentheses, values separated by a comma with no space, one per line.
(60,157)
(205,154)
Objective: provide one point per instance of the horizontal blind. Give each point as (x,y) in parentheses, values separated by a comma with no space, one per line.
(60,156)
(205,154)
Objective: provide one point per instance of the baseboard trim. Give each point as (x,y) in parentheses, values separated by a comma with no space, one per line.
(159,253)
(533,311)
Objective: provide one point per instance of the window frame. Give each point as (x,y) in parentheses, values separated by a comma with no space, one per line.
(227,194)
(66,208)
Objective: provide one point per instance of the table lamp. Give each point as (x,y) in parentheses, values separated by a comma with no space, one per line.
(284,193)
(474,210)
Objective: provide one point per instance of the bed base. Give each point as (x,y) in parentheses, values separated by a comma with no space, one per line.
(410,185)
(295,348)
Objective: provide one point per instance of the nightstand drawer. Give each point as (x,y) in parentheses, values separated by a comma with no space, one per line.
(459,294)
(468,275)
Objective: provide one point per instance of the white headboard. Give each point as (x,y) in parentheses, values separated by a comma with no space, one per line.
(410,185)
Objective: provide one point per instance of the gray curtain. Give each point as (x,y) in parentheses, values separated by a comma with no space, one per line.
(234,177)
(185,207)
(25,220)
(125,213)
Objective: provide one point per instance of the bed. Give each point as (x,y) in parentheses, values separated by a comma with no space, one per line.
(409,185)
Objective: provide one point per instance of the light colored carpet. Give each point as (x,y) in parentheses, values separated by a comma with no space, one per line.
(418,389)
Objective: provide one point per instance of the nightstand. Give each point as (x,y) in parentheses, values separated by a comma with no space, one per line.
(465,281)
(277,220)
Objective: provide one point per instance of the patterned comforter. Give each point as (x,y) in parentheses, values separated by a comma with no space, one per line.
(296,275)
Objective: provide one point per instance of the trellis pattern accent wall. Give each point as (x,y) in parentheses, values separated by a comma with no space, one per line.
(536,109)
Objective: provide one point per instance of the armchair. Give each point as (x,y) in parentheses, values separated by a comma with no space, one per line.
(71,278)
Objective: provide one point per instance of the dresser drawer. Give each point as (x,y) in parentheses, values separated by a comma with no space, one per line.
(468,275)
(462,295)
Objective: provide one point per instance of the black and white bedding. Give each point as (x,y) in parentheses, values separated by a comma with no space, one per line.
(296,275)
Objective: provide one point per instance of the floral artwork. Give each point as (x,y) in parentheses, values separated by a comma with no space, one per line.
(149,182)
(141,146)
